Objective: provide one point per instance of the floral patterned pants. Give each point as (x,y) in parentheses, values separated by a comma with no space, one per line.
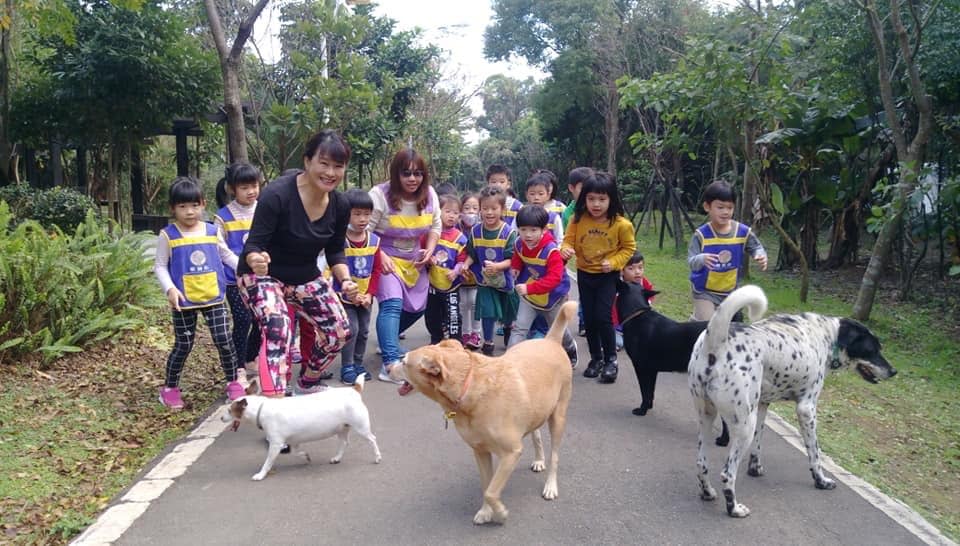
(316,301)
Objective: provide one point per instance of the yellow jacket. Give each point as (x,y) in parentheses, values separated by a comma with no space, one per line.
(596,240)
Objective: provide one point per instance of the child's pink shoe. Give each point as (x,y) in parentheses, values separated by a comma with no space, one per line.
(170,397)
(235,390)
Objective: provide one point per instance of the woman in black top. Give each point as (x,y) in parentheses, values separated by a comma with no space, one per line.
(297,217)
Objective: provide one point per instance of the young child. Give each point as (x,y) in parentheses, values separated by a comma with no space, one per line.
(717,249)
(489,250)
(541,277)
(632,274)
(443,299)
(575,180)
(499,176)
(233,224)
(362,250)
(469,217)
(553,204)
(538,193)
(189,266)
(602,240)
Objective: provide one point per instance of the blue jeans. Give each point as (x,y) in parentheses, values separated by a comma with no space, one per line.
(391,320)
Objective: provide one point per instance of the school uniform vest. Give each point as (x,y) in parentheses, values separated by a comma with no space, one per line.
(511,210)
(556,207)
(552,220)
(360,263)
(535,268)
(725,276)
(493,250)
(236,234)
(195,266)
(445,255)
(400,239)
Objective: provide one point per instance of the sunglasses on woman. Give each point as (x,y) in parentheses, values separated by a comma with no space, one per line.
(408,173)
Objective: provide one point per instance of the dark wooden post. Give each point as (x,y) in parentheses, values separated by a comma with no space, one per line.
(183,153)
(81,169)
(136,179)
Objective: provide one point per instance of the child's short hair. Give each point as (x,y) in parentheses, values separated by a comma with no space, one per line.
(185,189)
(359,199)
(602,183)
(532,216)
(445,199)
(242,172)
(636,258)
(719,190)
(493,192)
(539,178)
(579,175)
(497,168)
(445,188)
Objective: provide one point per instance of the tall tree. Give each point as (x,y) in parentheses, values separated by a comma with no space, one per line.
(230,59)
(902,54)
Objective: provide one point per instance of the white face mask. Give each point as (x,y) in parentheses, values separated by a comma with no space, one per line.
(469,219)
(352,227)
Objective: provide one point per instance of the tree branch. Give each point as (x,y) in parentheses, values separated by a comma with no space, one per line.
(216,28)
(246,27)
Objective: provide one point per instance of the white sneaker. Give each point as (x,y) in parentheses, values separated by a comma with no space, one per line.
(384,374)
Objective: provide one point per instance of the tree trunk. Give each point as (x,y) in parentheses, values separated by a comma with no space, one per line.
(6,59)
(230,59)
(611,124)
(909,155)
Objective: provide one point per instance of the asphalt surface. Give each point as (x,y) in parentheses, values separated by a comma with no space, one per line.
(623,480)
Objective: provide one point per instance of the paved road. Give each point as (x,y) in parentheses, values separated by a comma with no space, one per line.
(623,480)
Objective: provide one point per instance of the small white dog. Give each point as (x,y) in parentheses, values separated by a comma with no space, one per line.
(299,419)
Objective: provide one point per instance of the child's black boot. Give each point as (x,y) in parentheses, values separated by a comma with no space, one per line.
(593,368)
(609,373)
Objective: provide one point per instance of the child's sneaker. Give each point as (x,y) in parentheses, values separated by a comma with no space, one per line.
(170,397)
(348,374)
(384,374)
(235,390)
(367,376)
(487,348)
(572,355)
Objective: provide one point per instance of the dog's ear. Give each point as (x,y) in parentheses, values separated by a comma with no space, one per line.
(451,344)
(242,403)
(647,293)
(431,365)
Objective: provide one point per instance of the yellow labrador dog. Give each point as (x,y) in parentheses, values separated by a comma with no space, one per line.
(495,402)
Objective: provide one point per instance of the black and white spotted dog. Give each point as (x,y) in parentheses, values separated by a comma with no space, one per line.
(737,370)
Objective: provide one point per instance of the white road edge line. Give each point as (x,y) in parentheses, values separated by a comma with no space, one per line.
(115,521)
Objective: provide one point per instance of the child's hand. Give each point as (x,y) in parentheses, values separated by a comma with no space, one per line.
(521,289)
(490,268)
(710,260)
(386,263)
(350,289)
(259,262)
(425,258)
(174,296)
(365,300)
(761,259)
(605,266)
(452,274)
(566,253)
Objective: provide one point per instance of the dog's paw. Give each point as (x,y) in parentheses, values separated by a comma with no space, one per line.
(824,483)
(755,469)
(484,515)
(335,460)
(738,511)
(377,460)
(708,493)
(538,466)
(550,491)
(723,440)
(259,476)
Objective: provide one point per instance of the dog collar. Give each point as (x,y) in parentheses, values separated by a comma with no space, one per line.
(447,415)
(835,358)
(258,416)
(632,316)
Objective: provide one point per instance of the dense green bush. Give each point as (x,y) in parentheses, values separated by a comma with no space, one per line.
(59,291)
(61,207)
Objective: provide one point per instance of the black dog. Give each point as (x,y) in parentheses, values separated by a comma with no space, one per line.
(655,343)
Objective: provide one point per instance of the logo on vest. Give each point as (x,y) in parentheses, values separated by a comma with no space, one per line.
(723,259)
(361,263)
(440,257)
(490,253)
(198,258)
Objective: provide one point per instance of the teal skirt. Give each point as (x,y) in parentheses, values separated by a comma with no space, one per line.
(494,304)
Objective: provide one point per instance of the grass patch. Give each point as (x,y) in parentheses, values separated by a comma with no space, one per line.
(75,435)
(902,435)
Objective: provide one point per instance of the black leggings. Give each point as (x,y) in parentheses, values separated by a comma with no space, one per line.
(242,321)
(184,333)
(597,291)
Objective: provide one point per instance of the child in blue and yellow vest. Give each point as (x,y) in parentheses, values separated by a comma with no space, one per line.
(499,176)
(489,250)
(717,249)
(443,298)
(233,222)
(470,326)
(362,251)
(188,266)
(541,277)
